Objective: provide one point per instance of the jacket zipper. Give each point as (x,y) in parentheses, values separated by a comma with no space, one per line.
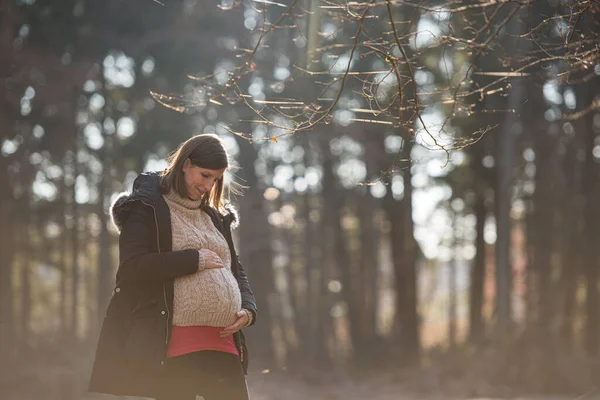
(227,236)
(163,286)
(168,315)
(229,239)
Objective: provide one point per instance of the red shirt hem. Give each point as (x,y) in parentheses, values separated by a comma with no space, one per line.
(189,339)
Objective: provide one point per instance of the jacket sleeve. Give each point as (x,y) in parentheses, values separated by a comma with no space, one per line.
(248,300)
(138,258)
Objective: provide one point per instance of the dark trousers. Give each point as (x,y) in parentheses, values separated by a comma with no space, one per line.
(214,375)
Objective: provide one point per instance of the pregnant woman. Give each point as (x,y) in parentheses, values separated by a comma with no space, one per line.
(173,327)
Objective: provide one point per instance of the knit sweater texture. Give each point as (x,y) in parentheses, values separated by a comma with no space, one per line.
(210,296)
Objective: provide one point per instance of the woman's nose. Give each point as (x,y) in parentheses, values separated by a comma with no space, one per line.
(208,186)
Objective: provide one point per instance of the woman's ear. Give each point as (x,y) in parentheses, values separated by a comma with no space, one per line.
(186,165)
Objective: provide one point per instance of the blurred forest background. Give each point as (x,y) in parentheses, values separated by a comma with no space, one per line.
(421,214)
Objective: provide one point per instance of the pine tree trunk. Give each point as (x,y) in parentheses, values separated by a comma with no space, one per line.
(25,279)
(395,214)
(334,201)
(406,277)
(591,232)
(74,247)
(63,261)
(294,276)
(104,267)
(255,250)
(104,261)
(543,223)
(309,316)
(7,250)
(505,167)
(374,156)
(477,268)
(452,268)
(505,157)
(323,274)
(571,235)
(8,318)
(367,278)
(572,231)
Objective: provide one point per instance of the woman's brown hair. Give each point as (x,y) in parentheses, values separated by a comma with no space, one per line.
(204,151)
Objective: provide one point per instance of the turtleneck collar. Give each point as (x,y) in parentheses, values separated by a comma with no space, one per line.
(183,201)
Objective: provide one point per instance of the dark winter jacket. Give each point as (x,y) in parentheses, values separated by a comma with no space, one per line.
(135,333)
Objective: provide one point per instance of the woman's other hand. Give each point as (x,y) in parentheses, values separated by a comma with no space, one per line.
(243,319)
(209,259)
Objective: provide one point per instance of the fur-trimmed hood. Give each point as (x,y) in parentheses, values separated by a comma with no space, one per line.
(119,209)
(146,188)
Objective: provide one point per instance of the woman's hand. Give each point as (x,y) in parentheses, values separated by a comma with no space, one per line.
(243,320)
(209,259)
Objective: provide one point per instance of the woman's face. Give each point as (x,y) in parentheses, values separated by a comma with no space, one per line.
(199,181)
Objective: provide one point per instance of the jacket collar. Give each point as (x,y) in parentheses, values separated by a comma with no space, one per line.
(146,188)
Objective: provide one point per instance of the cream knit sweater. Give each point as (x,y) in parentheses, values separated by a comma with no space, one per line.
(209,297)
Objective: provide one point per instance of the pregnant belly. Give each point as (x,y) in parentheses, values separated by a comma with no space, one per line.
(206,298)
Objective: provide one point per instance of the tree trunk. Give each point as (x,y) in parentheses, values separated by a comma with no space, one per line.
(478,267)
(322,276)
(255,250)
(452,268)
(591,232)
(367,278)
(503,224)
(334,204)
(104,267)
(294,276)
(544,226)
(399,214)
(406,276)
(505,164)
(572,237)
(374,156)
(309,318)
(394,212)
(7,249)
(25,278)
(8,30)
(74,247)
(63,261)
